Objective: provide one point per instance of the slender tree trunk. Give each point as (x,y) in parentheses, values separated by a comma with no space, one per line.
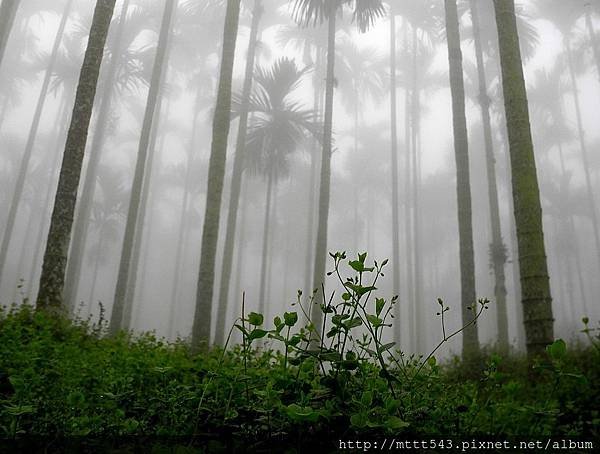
(96,268)
(38,248)
(236,177)
(497,248)
(592,206)
(8,11)
(312,184)
(410,288)
(84,207)
(271,239)
(265,243)
(33,130)
(117,315)
(325,178)
(573,235)
(461,149)
(240,256)
(183,218)
(216,173)
(142,238)
(394,171)
(593,40)
(535,283)
(55,257)
(416,208)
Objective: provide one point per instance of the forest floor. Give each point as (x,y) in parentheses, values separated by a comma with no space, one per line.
(64,385)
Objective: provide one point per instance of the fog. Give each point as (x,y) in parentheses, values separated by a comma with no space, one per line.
(563,93)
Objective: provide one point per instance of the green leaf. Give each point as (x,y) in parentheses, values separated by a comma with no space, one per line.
(362,257)
(379,305)
(346,296)
(18,410)
(255,319)
(358,420)
(385,347)
(339,318)
(375,321)
(557,350)
(295,340)
(357,266)
(290,318)
(366,399)
(257,334)
(298,413)
(395,423)
(242,329)
(356,321)
(333,332)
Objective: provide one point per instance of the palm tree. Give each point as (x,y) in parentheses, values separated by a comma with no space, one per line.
(528,40)
(564,15)
(236,176)
(80,230)
(313,44)
(535,283)
(55,257)
(365,13)
(549,111)
(421,29)
(216,172)
(497,248)
(33,130)
(133,222)
(360,74)
(278,126)
(461,148)
(8,11)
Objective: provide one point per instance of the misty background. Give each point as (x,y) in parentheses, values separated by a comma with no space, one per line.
(563,99)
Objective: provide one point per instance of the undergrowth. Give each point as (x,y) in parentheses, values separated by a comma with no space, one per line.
(61,378)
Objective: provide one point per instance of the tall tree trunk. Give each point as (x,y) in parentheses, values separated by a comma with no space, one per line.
(183,216)
(236,177)
(535,283)
(265,243)
(461,149)
(312,183)
(8,11)
(140,248)
(201,329)
(416,208)
(572,233)
(38,248)
(325,178)
(497,248)
(55,257)
(84,207)
(96,269)
(410,289)
(592,206)
(240,255)
(117,319)
(394,163)
(33,130)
